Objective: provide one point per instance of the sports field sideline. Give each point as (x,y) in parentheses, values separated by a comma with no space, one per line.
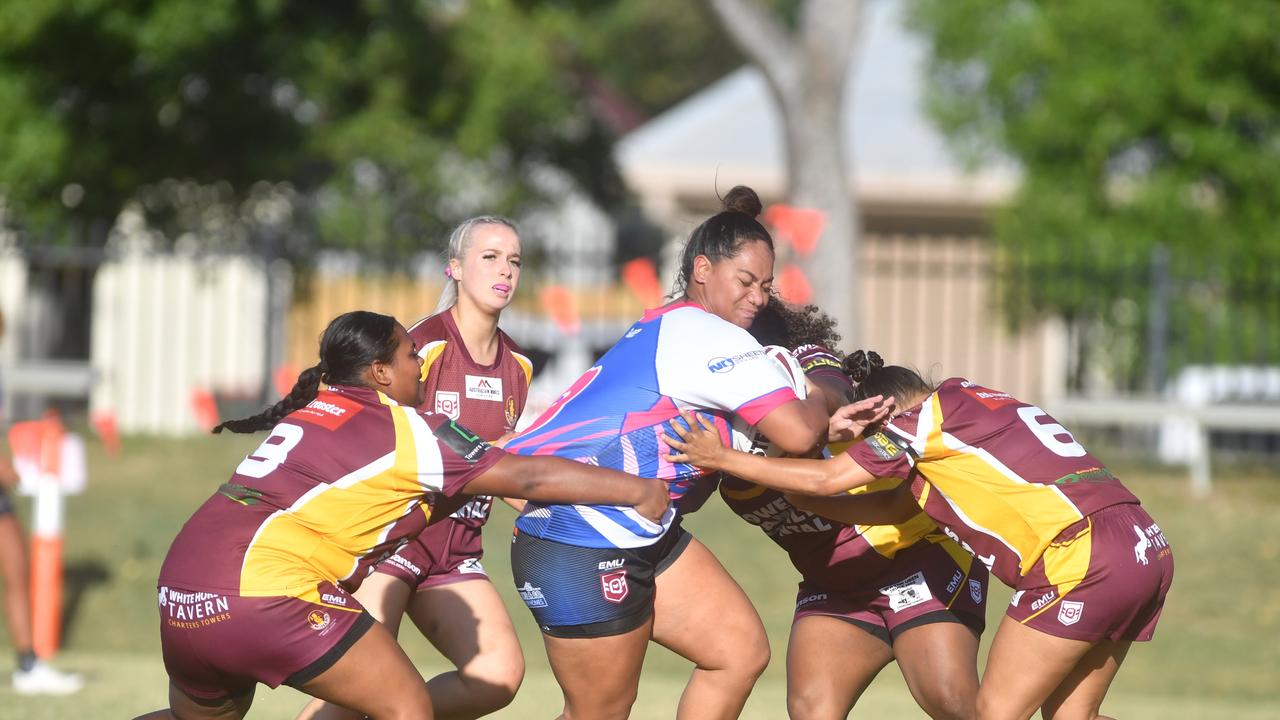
(1215,654)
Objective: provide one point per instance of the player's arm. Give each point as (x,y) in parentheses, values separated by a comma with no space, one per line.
(884,507)
(797,426)
(701,446)
(549,479)
(516,504)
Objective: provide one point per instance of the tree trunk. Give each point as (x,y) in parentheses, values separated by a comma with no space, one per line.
(806,71)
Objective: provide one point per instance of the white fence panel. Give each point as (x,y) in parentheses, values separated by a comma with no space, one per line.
(167,326)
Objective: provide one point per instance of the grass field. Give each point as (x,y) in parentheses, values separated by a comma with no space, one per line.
(1216,653)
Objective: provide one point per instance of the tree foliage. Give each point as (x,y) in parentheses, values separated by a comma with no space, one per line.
(1136,125)
(378,122)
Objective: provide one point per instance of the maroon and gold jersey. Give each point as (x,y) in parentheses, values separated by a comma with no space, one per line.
(487,399)
(335,487)
(826,552)
(999,475)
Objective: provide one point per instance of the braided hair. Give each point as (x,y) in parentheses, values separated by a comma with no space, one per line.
(867,370)
(722,235)
(350,343)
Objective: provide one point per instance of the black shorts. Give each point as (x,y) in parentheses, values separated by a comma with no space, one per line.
(584,592)
(6,502)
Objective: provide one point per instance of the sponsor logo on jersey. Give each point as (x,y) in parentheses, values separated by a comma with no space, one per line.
(330,411)
(1043,600)
(720,364)
(807,599)
(319,620)
(633,332)
(333,599)
(511,413)
(955,581)
(992,399)
(1017,598)
(405,565)
(484,388)
(1151,537)
(191,610)
(448,403)
(532,596)
(614,586)
(907,593)
(886,446)
(975,591)
(462,441)
(611,564)
(1070,612)
(471,566)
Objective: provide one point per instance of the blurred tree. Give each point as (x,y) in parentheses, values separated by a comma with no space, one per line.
(374,123)
(804,49)
(1136,125)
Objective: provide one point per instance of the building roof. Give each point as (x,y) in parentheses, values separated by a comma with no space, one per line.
(732,130)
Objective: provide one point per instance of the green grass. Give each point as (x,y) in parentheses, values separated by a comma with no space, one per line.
(1216,652)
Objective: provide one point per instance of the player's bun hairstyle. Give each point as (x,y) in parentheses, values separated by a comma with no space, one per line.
(722,235)
(459,239)
(872,377)
(350,343)
(780,323)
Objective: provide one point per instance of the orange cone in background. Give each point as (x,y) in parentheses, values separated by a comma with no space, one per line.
(104,424)
(641,278)
(205,408)
(793,286)
(560,304)
(37,449)
(799,227)
(283,378)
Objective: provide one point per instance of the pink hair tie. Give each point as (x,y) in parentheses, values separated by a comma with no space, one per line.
(448,272)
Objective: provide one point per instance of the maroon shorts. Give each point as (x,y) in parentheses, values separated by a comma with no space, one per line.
(924,583)
(446,552)
(1104,577)
(216,645)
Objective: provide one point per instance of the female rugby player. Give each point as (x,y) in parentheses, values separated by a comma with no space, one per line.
(256,586)
(477,375)
(1089,566)
(602,582)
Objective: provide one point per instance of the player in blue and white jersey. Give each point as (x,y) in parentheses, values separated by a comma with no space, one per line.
(609,575)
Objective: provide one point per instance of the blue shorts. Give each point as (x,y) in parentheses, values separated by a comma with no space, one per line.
(583,592)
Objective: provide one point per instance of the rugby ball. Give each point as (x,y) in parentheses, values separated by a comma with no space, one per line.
(745,436)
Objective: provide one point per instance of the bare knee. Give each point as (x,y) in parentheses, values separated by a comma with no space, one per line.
(617,705)
(492,684)
(756,658)
(810,702)
(949,701)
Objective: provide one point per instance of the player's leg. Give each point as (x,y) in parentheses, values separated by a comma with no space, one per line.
(373,677)
(385,597)
(1025,666)
(830,663)
(468,623)
(184,707)
(939,661)
(599,676)
(701,614)
(15,575)
(1080,694)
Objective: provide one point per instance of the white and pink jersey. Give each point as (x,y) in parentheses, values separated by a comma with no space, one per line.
(676,357)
